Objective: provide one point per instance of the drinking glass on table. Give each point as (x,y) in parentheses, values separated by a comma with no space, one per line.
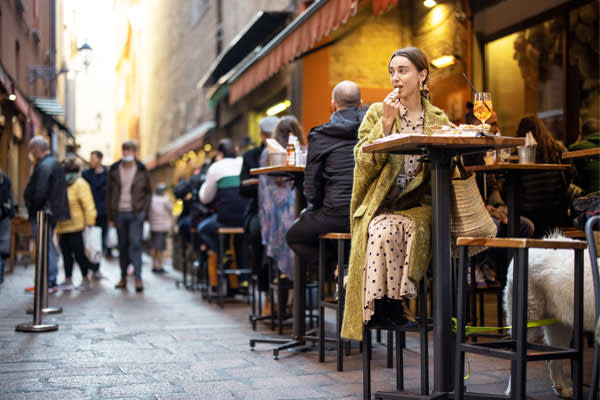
(482,106)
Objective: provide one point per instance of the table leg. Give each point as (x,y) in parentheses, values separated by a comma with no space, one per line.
(299,336)
(513,186)
(443,337)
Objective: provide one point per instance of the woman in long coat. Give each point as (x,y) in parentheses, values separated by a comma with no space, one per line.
(391,198)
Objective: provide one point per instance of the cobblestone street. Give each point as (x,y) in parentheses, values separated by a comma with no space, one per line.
(167,343)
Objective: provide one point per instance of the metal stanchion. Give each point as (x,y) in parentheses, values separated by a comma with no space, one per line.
(41,278)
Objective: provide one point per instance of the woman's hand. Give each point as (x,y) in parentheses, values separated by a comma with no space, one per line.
(391,105)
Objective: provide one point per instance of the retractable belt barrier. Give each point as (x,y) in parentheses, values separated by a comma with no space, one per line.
(40,295)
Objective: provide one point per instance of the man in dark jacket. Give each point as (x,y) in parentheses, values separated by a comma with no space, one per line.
(46,190)
(328,174)
(249,190)
(96,176)
(128,195)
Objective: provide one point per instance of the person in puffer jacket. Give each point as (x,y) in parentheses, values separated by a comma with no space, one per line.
(328,174)
(83,213)
(222,185)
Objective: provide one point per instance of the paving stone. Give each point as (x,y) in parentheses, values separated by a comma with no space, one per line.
(46,395)
(136,390)
(96,380)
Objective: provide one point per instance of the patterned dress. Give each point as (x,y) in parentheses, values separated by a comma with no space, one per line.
(276,213)
(390,240)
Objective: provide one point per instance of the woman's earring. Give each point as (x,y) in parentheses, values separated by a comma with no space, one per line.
(421,85)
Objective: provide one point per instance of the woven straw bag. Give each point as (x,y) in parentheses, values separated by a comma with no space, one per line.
(469,215)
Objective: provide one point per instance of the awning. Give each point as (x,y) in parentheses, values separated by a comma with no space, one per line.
(261,29)
(191,141)
(300,35)
(48,105)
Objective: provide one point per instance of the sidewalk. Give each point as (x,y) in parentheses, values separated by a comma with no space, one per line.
(167,343)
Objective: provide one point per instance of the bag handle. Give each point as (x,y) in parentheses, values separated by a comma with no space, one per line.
(460,166)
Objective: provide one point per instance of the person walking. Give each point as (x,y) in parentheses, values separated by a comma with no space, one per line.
(83,214)
(96,176)
(46,191)
(7,212)
(128,195)
(161,220)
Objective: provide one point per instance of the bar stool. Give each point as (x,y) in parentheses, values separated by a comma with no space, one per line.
(222,271)
(424,324)
(516,348)
(589,233)
(335,304)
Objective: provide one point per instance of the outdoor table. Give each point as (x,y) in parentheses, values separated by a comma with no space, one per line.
(440,150)
(595,152)
(299,324)
(513,173)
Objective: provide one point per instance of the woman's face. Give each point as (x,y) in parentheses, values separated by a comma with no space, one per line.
(405,77)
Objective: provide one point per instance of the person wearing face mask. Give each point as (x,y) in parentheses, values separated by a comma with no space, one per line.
(46,191)
(128,196)
(391,202)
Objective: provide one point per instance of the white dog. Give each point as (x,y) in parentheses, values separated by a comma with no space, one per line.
(550,295)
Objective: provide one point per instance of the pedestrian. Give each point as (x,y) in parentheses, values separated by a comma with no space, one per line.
(161,219)
(46,191)
(83,214)
(96,176)
(128,195)
(7,212)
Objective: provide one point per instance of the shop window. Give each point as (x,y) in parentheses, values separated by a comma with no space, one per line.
(530,72)
(524,75)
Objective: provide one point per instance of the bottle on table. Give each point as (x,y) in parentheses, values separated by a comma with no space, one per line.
(291,151)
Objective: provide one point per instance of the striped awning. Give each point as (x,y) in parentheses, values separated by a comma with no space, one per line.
(48,106)
(299,36)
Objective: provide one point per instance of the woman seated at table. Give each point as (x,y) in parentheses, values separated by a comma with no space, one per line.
(277,201)
(391,201)
(544,196)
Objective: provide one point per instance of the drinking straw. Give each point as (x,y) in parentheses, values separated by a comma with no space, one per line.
(469,82)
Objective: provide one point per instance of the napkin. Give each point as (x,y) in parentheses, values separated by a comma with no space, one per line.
(273,146)
(529,139)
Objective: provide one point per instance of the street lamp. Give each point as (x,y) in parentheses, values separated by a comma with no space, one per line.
(86,54)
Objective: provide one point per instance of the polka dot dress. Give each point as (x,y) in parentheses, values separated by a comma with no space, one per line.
(386,264)
(391,239)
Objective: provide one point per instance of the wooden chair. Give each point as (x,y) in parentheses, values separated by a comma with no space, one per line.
(20,229)
(335,304)
(516,349)
(222,271)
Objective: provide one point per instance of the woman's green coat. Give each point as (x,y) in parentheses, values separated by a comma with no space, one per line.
(374,174)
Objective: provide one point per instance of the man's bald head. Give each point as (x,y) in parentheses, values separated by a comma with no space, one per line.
(346,94)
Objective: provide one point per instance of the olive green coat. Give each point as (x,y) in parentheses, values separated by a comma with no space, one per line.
(374,174)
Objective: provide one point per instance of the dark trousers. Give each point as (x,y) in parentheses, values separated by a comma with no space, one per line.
(303,236)
(208,233)
(129,230)
(72,248)
(102,222)
(256,251)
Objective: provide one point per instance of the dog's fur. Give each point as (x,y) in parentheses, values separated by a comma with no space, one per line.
(550,295)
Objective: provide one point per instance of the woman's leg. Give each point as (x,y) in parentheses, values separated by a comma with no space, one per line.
(79,251)
(66,248)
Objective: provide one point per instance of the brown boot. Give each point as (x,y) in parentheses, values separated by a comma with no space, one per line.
(139,286)
(122,283)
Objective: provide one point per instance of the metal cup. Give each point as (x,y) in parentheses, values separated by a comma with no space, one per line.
(526,154)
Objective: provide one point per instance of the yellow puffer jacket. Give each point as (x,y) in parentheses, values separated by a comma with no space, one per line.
(82,207)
